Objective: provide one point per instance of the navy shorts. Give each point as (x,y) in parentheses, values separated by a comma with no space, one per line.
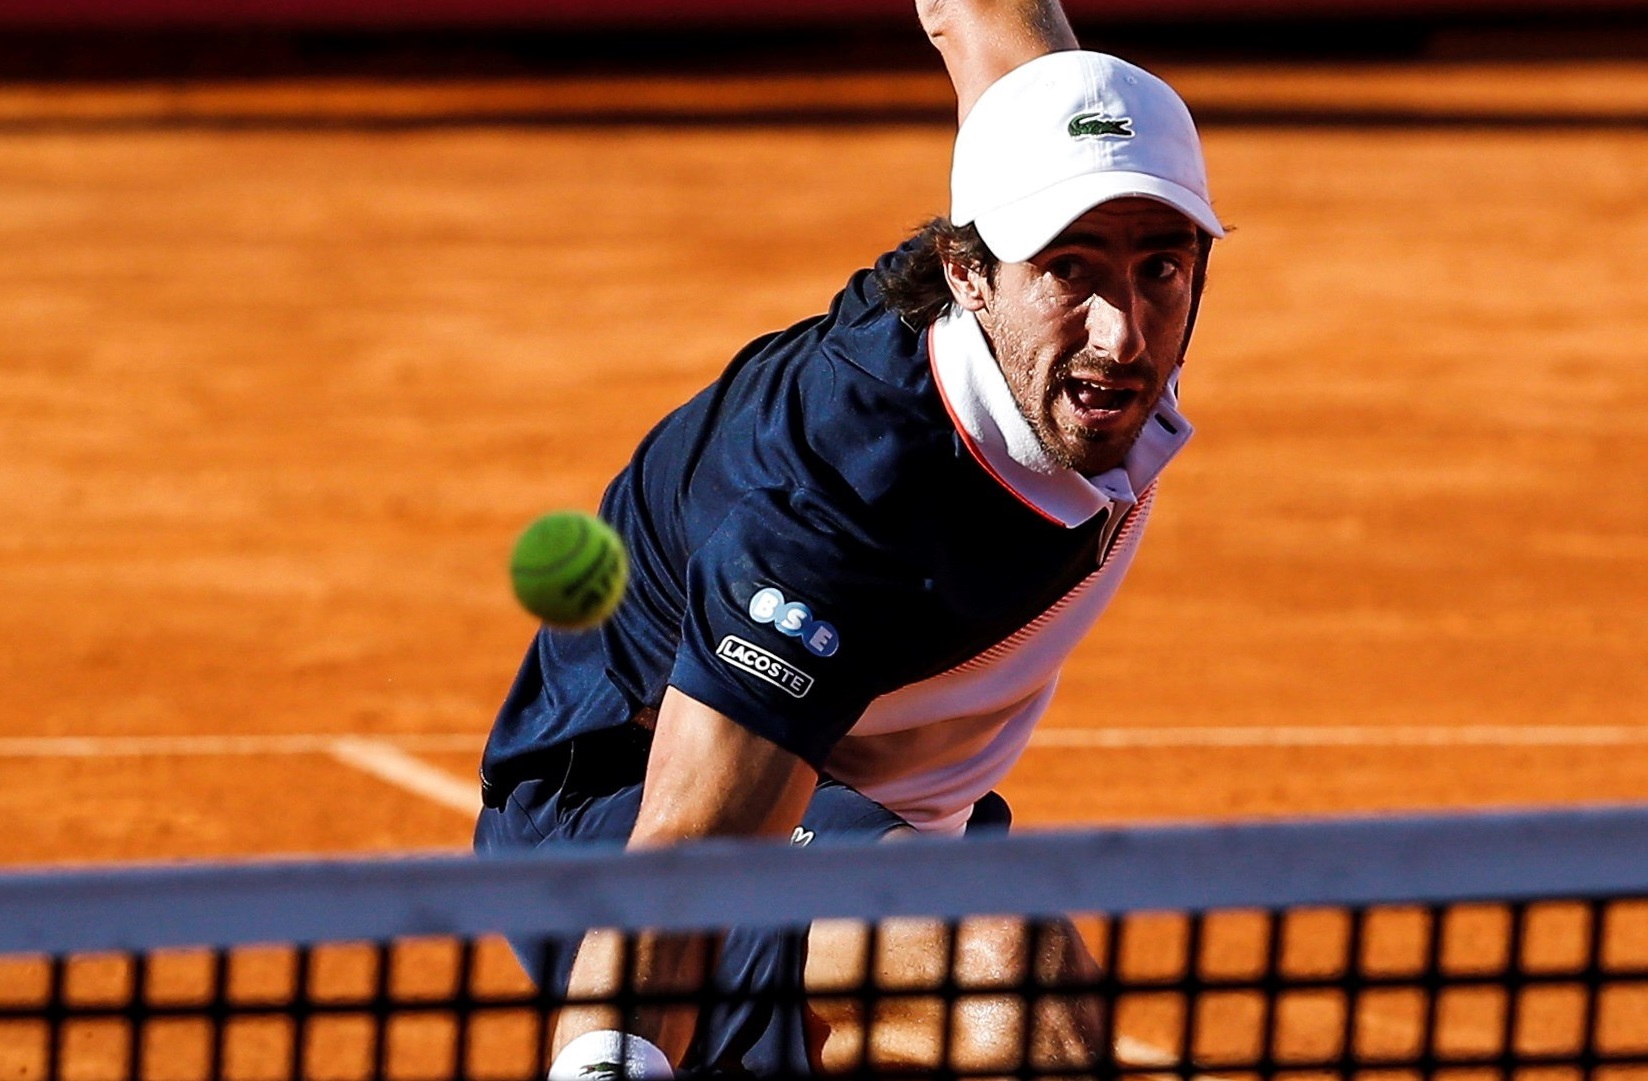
(592,794)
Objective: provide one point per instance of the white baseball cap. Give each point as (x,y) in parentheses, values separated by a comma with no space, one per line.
(1057,136)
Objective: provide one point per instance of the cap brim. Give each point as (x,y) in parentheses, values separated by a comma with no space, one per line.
(1019,230)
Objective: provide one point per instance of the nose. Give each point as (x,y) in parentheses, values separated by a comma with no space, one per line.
(1113,328)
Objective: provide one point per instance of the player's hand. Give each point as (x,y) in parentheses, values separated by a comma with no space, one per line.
(982,40)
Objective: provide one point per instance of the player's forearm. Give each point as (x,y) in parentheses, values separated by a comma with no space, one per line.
(982,40)
(648,964)
(707,776)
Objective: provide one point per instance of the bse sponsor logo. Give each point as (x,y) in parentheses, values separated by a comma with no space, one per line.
(802,836)
(796,620)
(763,665)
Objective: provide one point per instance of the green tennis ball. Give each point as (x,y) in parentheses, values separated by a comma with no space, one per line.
(569,569)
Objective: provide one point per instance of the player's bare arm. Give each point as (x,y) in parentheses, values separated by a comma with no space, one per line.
(707,776)
(982,40)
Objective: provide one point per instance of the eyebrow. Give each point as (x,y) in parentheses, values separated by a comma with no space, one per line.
(1174,238)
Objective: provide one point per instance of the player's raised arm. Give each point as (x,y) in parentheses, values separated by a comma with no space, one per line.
(982,40)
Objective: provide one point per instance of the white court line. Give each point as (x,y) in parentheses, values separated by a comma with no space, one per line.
(1099,738)
(388,759)
(1486,735)
(390,763)
(391,758)
(153,746)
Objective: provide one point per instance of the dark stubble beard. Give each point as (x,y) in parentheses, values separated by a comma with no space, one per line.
(1020,379)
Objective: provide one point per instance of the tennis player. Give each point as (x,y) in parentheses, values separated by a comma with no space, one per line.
(861,556)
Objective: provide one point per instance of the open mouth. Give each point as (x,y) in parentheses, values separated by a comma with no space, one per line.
(1098,401)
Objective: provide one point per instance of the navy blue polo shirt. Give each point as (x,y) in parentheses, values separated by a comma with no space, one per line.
(808,533)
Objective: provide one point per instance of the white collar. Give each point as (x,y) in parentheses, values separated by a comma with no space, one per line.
(981,404)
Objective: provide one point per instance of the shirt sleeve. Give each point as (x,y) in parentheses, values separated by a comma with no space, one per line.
(795,620)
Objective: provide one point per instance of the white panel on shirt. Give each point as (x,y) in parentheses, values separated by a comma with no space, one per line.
(930,750)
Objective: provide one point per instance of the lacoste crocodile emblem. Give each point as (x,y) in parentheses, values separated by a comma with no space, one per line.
(1100,126)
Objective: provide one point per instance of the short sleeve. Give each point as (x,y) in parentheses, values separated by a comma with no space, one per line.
(790,622)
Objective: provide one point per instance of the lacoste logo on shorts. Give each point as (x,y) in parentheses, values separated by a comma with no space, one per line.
(758,662)
(796,620)
(802,836)
(1100,126)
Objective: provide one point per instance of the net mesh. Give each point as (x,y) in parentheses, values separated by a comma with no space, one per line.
(1549,987)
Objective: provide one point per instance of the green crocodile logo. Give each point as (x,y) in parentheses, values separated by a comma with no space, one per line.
(1100,126)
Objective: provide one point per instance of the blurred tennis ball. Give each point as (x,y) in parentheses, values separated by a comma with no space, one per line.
(569,569)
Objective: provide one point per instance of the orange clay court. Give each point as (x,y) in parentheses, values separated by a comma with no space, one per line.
(277,396)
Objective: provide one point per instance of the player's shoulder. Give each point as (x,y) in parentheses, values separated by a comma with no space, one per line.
(869,336)
(872,351)
(867,400)
(843,405)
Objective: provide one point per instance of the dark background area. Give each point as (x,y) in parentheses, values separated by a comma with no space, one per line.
(37,49)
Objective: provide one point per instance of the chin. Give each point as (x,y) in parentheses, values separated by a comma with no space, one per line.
(1086,459)
(1091,453)
(1092,457)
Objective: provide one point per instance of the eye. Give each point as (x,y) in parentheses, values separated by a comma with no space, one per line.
(1163,267)
(1066,267)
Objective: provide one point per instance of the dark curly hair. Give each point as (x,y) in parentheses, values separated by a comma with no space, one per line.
(913,285)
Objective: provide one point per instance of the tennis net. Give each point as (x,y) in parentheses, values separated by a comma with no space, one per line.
(1461,947)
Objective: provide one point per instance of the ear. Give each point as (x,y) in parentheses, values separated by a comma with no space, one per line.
(968,285)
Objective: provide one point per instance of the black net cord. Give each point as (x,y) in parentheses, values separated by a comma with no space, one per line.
(1515,969)
(217,1013)
(1186,1049)
(1109,992)
(1352,971)
(463,1006)
(1270,984)
(135,1016)
(1591,976)
(56,1014)
(542,1029)
(951,998)
(1028,993)
(302,995)
(868,997)
(1430,983)
(383,1007)
(794,996)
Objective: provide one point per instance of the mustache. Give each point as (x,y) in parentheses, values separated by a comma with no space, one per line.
(1099,365)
